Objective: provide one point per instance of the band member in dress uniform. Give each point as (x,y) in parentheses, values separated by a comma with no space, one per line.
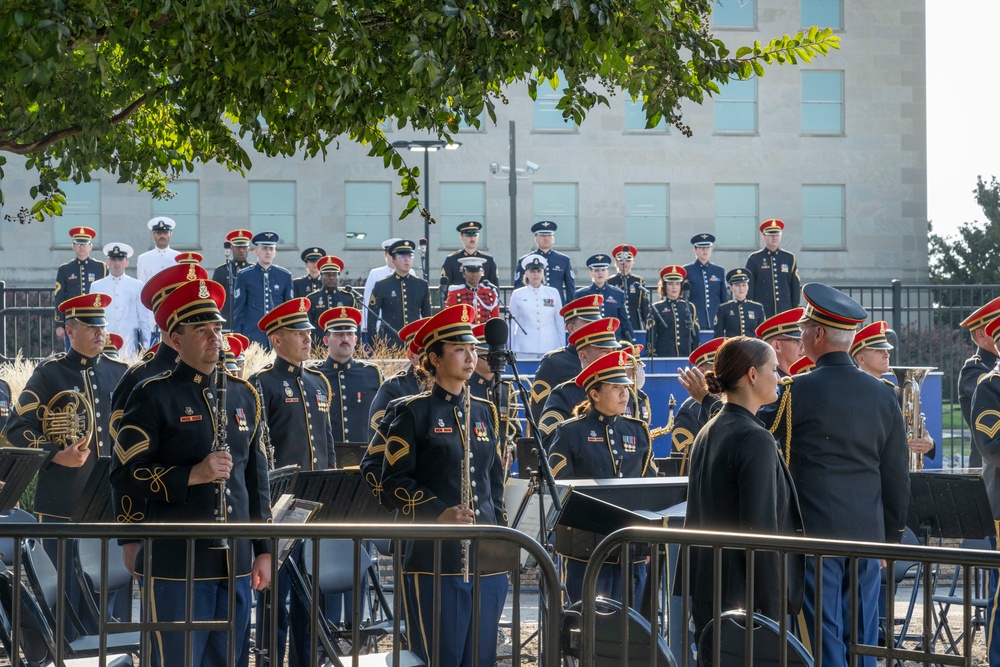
(782,333)
(774,275)
(601,442)
(309,283)
(377,274)
(615,303)
(536,326)
(353,382)
(853,483)
(167,459)
(705,286)
(189,258)
(700,406)
(979,364)
(636,294)
(126,315)
(558,269)
(5,399)
(672,329)
(75,277)
(112,346)
(259,288)
(802,365)
(238,246)
(451,270)
(233,346)
(483,297)
(162,255)
(330,294)
(399,299)
(564,363)
(423,477)
(739,317)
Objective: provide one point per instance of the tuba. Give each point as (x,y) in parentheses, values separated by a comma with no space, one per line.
(67,418)
(910,380)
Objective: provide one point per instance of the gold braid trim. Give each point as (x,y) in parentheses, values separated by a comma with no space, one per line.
(785,411)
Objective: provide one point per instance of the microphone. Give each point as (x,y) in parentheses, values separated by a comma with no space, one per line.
(495,333)
(422,245)
(227,248)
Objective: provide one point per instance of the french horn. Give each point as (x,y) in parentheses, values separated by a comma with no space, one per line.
(67,418)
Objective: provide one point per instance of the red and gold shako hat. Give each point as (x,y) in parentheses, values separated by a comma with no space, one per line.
(673,273)
(166,281)
(82,234)
(189,258)
(292,314)
(993,328)
(705,353)
(88,308)
(409,332)
(243,341)
(830,307)
(233,347)
(624,252)
(783,324)
(479,331)
(801,365)
(194,302)
(772,226)
(634,351)
(611,368)
(240,238)
(983,315)
(451,325)
(112,345)
(330,264)
(871,337)
(586,308)
(600,334)
(341,318)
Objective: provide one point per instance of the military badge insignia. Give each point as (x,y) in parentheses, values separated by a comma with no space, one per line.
(628,442)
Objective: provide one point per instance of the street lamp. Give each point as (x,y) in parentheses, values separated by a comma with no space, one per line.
(511,174)
(426,146)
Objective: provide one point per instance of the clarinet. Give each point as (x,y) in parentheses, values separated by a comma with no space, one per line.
(221,444)
(265,431)
(466,481)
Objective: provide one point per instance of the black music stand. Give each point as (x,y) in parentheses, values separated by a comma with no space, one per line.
(18,466)
(586,520)
(349,454)
(527,457)
(670,466)
(949,505)
(345,496)
(94,504)
(281,481)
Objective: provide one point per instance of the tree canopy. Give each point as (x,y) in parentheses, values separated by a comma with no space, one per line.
(972,256)
(144,90)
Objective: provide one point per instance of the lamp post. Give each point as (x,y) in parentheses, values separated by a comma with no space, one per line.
(512,174)
(426,146)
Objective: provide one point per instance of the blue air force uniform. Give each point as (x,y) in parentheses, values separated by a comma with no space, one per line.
(258,291)
(399,300)
(636,298)
(353,385)
(73,279)
(738,318)
(225,275)
(558,273)
(707,289)
(774,280)
(615,305)
(672,329)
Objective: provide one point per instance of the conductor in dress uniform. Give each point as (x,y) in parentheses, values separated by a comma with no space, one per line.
(558,269)
(162,255)
(615,303)
(740,316)
(774,275)
(167,457)
(126,315)
(330,294)
(842,435)
(75,277)
(451,270)
(979,364)
(672,329)
(706,282)
(259,288)
(636,294)
(237,248)
(482,296)
(399,299)
(309,283)
(353,382)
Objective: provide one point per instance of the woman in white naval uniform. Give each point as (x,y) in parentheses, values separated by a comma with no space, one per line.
(537,327)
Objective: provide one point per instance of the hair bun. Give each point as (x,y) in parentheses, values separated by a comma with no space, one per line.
(714,385)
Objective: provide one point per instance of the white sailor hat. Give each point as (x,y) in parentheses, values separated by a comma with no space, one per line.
(161,223)
(388,243)
(117,251)
(533,261)
(472,263)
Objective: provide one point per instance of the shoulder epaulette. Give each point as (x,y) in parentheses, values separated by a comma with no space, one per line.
(987,377)
(246,268)
(571,420)
(116,361)
(888,383)
(282,269)
(53,357)
(785,381)
(220,266)
(635,419)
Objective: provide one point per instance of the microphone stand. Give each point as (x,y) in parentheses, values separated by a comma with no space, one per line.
(371,313)
(231,285)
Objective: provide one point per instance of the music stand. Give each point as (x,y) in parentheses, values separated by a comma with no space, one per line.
(949,505)
(94,504)
(349,454)
(527,457)
(346,497)
(18,466)
(281,481)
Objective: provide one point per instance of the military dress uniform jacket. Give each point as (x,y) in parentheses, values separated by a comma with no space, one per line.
(615,305)
(637,300)
(305,285)
(558,273)
(738,318)
(59,488)
(706,285)
(225,275)
(689,420)
(296,406)
(672,330)
(986,434)
(353,385)
(73,279)
(536,325)
(485,300)
(5,399)
(373,461)
(322,300)
(563,400)
(151,262)
(596,446)
(404,383)
(451,270)
(556,367)
(842,436)
(169,426)
(399,300)
(976,366)
(257,293)
(423,460)
(774,280)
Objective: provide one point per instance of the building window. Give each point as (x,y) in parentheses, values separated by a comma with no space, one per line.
(272,209)
(736,107)
(822,13)
(734,14)
(82,209)
(823,217)
(647,215)
(635,117)
(736,216)
(558,202)
(368,219)
(461,202)
(182,208)
(823,102)
(546,115)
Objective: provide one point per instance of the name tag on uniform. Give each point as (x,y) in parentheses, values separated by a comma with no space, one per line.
(442,430)
(764,265)
(291,400)
(191,418)
(595,439)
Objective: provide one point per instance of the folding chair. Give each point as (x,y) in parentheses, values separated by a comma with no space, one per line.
(903,570)
(7,545)
(88,562)
(608,638)
(954,597)
(767,642)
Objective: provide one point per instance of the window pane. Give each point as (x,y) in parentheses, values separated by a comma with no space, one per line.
(823,216)
(822,13)
(635,118)
(82,208)
(821,118)
(734,14)
(557,202)
(647,215)
(546,116)
(183,209)
(272,209)
(736,107)
(736,216)
(461,202)
(368,209)
(822,102)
